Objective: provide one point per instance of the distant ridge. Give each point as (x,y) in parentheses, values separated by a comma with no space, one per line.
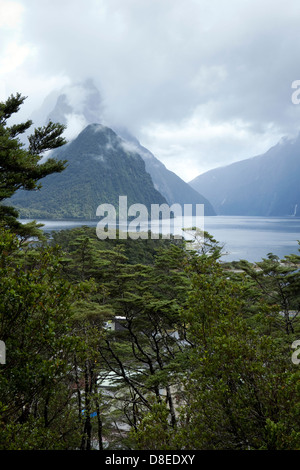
(265,185)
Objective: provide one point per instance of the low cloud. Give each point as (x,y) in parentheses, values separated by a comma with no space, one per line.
(75,124)
(200,83)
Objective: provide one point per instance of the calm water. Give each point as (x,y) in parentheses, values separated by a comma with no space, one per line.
(250,238)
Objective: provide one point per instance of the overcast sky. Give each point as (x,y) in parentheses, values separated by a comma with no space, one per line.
(200,83)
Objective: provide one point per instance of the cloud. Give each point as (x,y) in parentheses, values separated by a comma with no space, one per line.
(10,14)
(75,124)
(200,83)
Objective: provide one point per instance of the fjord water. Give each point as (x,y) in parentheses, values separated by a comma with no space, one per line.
(250,238)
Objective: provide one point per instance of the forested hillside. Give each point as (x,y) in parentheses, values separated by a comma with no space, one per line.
(99,169)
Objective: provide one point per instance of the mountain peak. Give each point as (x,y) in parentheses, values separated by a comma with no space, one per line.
(75,105)
(265,185)
(100,169)
(79,107)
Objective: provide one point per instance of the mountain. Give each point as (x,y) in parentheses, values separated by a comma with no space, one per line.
(80,104)
(265,185)
(100,169)
(75,105)
(171,186)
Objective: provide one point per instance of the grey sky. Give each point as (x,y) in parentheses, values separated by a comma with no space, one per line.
(200,83)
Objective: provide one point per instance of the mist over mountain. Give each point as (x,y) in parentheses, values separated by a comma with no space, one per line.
(100,169)
(75,105)
(265,185)
(80,104)
(171,186)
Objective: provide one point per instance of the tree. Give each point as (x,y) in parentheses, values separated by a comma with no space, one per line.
(241,390)
(35,323)
(203,243)
(22,168)
(144,356)
(278,283)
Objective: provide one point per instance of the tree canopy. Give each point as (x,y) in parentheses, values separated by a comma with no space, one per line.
(20,167)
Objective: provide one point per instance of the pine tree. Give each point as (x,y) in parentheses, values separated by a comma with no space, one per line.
(21,168)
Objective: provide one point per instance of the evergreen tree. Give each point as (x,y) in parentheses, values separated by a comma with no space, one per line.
(241,389)
(277,282)
(21,168)
(36,391)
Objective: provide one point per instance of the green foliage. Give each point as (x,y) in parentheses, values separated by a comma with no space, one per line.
(277,282)
(241,390)
(35,326)
(154,431)
(21,168)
